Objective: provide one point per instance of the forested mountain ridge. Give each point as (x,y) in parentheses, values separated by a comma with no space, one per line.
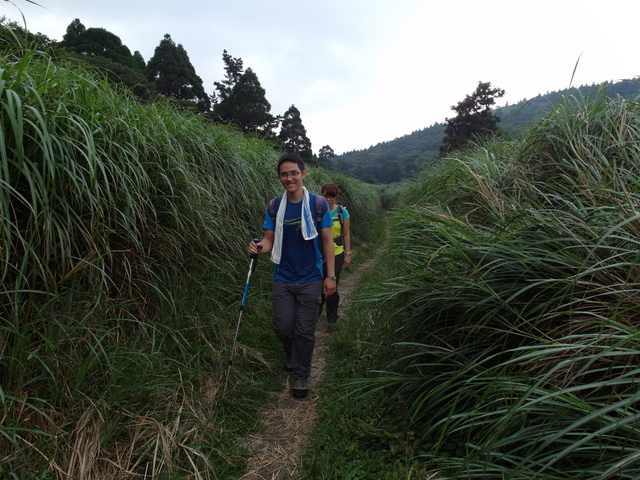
(390,161)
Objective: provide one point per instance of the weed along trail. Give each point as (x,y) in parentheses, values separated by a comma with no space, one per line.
(279,446)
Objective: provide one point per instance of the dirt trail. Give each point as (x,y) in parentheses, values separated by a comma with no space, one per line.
(278,447)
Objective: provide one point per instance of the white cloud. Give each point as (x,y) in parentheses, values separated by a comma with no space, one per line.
(366,71)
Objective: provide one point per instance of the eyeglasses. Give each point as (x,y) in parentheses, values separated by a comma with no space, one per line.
(328,195)
(292,174)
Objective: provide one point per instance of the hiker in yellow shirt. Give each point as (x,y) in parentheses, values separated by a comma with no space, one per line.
(341,245)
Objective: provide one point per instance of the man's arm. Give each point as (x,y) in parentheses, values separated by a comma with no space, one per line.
(346,241)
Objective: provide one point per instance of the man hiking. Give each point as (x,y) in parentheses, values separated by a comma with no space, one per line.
(298,233)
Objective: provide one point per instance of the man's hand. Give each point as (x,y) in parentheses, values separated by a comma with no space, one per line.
(255,247)
(329,287)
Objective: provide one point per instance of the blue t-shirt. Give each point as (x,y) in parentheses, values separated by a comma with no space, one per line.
(301,260)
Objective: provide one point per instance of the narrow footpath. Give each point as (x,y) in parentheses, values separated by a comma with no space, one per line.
(279,446)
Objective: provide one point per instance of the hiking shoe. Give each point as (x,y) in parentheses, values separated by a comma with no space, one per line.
(300,388)
(288,365)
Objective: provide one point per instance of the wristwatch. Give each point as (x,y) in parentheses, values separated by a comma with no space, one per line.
(332,277)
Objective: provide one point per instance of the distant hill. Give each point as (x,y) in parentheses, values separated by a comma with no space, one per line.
(388,162)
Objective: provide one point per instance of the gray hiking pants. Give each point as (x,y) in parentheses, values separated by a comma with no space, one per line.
(295,314)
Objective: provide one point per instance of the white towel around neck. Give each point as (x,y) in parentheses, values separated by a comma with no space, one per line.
(308,224)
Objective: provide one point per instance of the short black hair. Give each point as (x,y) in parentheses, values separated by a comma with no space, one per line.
(291,157)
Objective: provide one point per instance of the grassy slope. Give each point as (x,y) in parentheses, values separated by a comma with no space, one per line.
(498,337)
(124,228)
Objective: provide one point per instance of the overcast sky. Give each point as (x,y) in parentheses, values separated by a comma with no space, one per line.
(363,72)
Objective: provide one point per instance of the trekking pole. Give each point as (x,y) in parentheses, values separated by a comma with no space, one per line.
(252,267)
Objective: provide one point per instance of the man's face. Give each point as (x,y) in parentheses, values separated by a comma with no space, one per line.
(291,176)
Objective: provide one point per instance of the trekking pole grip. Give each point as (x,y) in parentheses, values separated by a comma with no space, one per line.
(255,255)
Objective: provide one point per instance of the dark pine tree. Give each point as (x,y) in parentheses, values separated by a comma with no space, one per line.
(325,155)
(474,118)
(174,76)
(74,30)
(246,106)
(234,70)
(105,51)
(97,42)
(293,136)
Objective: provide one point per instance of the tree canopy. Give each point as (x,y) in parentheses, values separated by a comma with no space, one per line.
(293,136)
(241,100)
(474,118)
(234,69)
(174,76)
(325,155)
(97,42)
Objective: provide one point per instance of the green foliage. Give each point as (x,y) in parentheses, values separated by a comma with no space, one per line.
(97,41)
(293,136)
(247,107)
(123,76)
(241,100)
(474,118)
(504,342)
(325,155)
(174,76)
(393,161)
(74,31)
(15,36)
(358,437)
(420,149)
(127,70)
(234,69)
(117,281)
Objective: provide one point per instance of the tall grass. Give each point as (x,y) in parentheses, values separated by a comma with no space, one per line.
(513,310)
(361,200)
(123,240)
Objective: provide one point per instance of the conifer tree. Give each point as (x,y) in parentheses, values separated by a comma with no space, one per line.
(174,76)
(293,136)
(241,100)
(474,118)
(139,63)
(325,155)
(74,30)
(99,42)
(246,106)
(234,70)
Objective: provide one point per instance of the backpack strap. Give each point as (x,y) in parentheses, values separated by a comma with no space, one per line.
(338,240)
(319,202)
(273,206)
